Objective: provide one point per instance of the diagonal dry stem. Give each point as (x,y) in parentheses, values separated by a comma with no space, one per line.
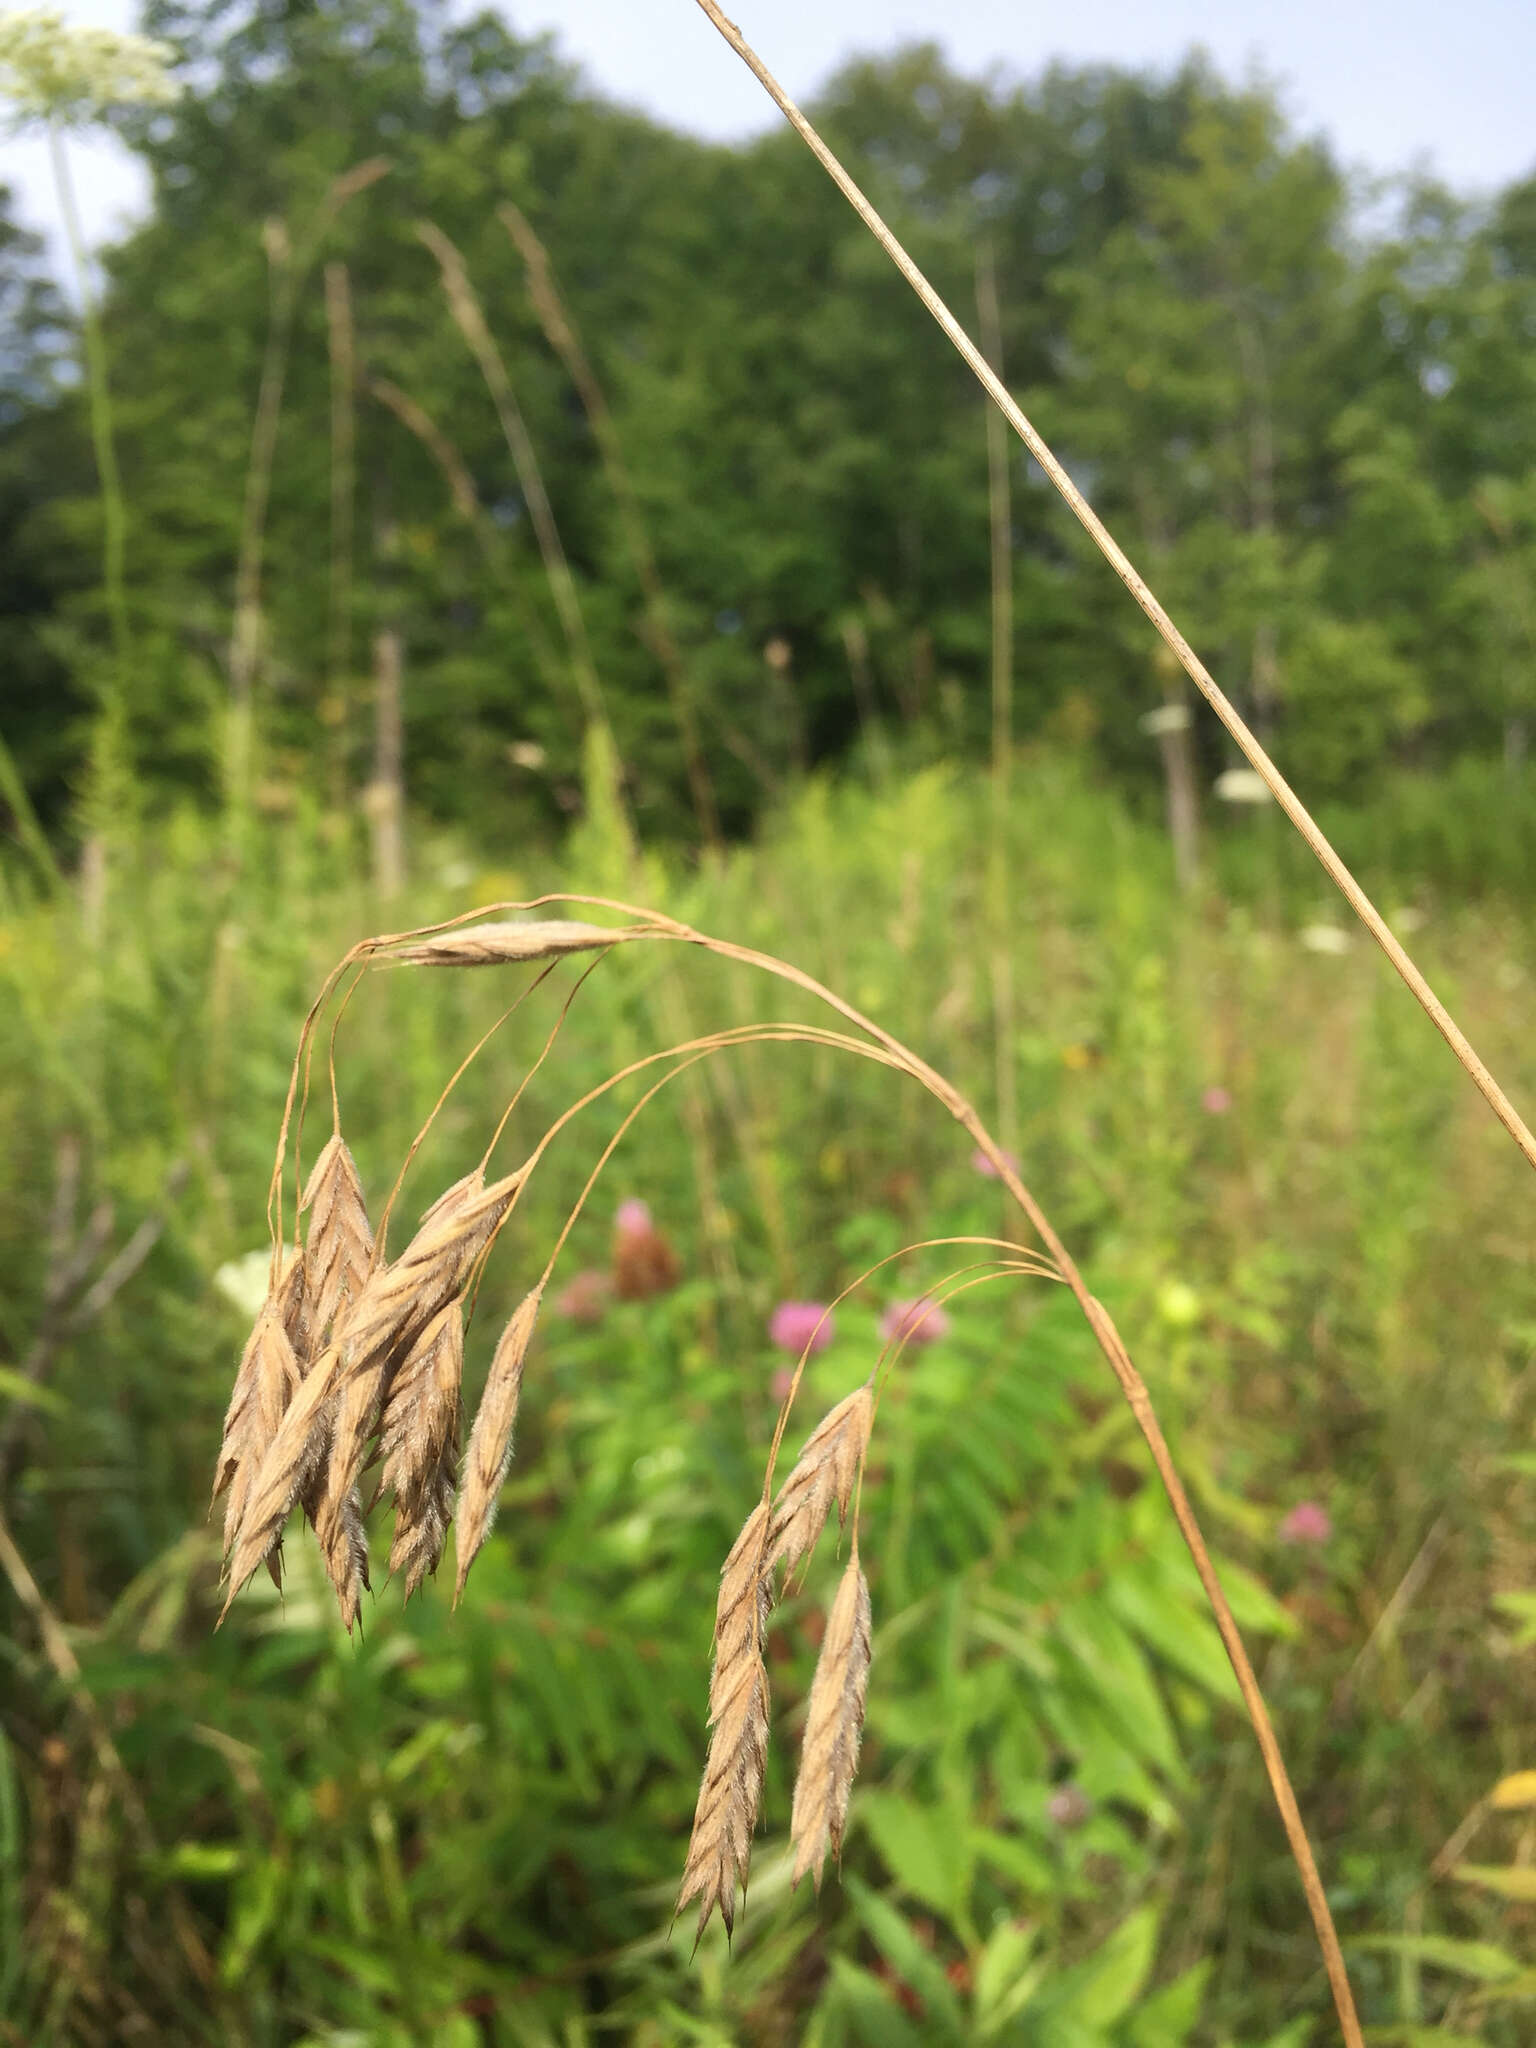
(1141,591)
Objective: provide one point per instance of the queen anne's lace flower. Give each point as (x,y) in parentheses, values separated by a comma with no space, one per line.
(73,76)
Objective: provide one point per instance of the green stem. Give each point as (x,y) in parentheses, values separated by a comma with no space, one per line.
(114,515)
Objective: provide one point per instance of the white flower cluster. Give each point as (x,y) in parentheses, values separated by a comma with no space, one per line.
(52,72)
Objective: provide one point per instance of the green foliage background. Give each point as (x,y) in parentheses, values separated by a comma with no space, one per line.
(467,1828)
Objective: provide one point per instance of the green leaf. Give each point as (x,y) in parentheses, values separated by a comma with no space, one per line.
(1479,1960)
(869,2007)
(927,1850)
(1105,1988)
(205,1859)
(910,1960)
(1509,1880)
(14,1387)
(1006,1976)
(1166,2019)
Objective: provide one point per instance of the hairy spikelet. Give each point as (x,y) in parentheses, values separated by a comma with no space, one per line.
(454,1197)
(334,1413)
(343,1545)
(490,1440)
(834,1721)
(270,1370)
(488,945)
(339,1247)
(827,1470)
(419,1444)
(721,1844)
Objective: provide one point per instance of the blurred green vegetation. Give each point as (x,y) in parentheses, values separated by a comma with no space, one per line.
(467,1828)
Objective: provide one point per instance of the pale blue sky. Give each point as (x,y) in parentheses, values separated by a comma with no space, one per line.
(1391,82)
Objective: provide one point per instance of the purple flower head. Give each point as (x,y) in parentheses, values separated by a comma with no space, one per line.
(1308,1522)
(920,1322)
(794,1325)
(584,1297)
(1216,1102)
(981,1164)
(633,1219)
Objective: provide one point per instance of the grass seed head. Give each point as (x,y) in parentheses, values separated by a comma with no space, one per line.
(827,1471)
(490,945)
(339,1247)
(270,1370)
(490,1440)
(419,1444)
(720,1847)
(834,1722)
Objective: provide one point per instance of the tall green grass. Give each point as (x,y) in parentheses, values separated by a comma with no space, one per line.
(467,1831)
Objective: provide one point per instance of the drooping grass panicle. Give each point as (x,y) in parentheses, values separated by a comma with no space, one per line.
(332,1418)
(490,1439)
(394,1312)
(720,1848)
(834,1722)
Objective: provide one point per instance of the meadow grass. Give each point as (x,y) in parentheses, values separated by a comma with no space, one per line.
(465,1829)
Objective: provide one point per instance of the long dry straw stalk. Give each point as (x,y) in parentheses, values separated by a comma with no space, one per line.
(1142,592)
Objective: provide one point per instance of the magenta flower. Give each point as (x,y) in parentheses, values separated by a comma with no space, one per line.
(981,1164)
(779,1386)
(800,1325)
(919,1322)
(584,1297)
(633,1219)
(1215,1102)
(1308,1522)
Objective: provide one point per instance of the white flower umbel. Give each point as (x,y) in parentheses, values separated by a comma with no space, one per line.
(73,76)
(57,77)
(1242,786)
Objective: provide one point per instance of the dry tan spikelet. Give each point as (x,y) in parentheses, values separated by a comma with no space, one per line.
(488,945)
(826,1471)
(419,1444)
(834,1720)
(343,1545)
(333,1415)
(721,1844)
(399,1304)
(453,1197)
(490,1440)
(270,1370)
(339,1247)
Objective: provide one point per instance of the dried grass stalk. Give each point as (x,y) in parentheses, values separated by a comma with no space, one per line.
(339,1247)
(720,1847)
(488,945)
(388,1318)
(827,1470)
(834,1721)
(271,1368)
(490,1441)
(419,1444)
